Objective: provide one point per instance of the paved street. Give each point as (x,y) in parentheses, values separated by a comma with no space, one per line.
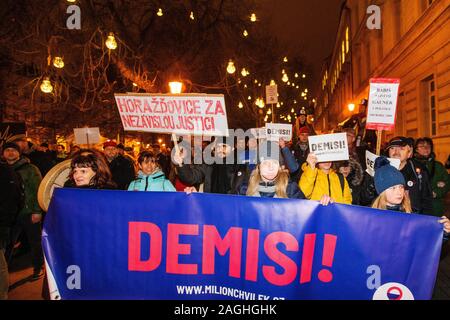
(23,289)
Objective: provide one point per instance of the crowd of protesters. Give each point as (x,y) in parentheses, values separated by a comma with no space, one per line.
(286,169)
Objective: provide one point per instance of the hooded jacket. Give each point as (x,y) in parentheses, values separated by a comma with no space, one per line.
(153,182)
(314,183)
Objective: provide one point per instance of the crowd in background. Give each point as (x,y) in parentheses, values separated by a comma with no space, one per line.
(419,185)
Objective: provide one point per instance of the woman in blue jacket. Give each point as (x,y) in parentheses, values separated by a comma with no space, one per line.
(150,176)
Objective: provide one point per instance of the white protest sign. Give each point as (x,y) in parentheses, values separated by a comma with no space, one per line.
(262,134)
(196,114)
(86,135)
(329,147)
(382,105)
(275,131)
(271,94)
(370,163)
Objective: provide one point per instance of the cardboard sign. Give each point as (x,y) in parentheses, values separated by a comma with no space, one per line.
(370,162)
(382,106)
(329,147)
(87,135)
(275,131)
(196,114)
(271,94)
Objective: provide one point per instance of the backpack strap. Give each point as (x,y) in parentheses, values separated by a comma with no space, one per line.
(342,182)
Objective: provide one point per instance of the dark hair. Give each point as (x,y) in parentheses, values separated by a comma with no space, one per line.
(144,155)
(60,145)
(424,140)
(87,158)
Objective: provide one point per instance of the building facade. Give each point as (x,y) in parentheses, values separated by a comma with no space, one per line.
(413,44)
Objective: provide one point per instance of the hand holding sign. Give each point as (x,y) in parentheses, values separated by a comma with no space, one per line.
(329,147)
(311,160)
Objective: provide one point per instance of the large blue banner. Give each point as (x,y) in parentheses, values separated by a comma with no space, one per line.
(144,245)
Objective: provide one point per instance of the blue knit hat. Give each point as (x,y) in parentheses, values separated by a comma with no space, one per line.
(386,176)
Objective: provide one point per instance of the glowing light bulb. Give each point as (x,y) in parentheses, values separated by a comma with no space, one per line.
(240,105)
(285,78)
(285,59)
(159,13)
(111,42)
(351,107)
(245,33)
(175,87)
(273,83)
(192,16)
(296,75)
(244,72)
(253,17)
(46,85)
(231,68)
(58,62)
(303,76)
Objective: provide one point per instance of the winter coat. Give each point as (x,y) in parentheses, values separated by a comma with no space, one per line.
(314,183)
(153,182)
(10,201)
(122,171)
(440,183)
(355,179)
(419,187)
(202,173)
(31,178)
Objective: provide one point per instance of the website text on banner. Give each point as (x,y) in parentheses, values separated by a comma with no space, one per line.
(382,107)
(138,245)
(329,147)
(180,114)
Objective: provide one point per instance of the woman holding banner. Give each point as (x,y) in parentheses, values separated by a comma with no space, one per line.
(150,176)
(269,180)
(89,170)
(320,182)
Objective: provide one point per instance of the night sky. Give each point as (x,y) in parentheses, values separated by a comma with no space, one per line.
(305,26)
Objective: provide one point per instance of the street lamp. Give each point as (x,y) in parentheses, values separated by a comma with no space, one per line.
(175,87)
(351,107)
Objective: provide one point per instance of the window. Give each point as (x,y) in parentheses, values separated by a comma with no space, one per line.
(432,97)
(429,109)
(347,40)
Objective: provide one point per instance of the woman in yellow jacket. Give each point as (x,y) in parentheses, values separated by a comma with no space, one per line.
(320,182)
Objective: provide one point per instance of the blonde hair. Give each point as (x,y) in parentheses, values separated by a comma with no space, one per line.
(281,182)
(381,202)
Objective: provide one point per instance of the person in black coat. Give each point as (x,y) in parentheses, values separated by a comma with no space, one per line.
(11,201)
(218,177)
(416,175)
(122,169)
